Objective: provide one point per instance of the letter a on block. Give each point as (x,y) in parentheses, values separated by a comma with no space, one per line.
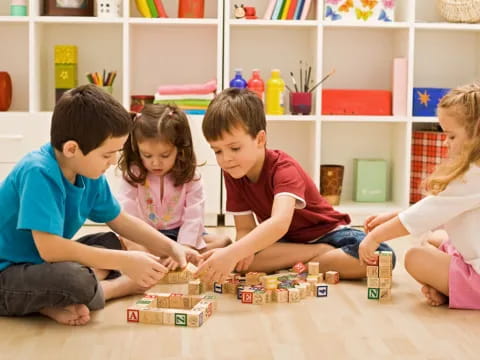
(132,315)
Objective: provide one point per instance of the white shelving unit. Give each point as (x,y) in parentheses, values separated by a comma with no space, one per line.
(439,54)
(150,52)
(145,52)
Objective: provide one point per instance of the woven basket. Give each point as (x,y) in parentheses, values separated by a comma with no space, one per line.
(467,11)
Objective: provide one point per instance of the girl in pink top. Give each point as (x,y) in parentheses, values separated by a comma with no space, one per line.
(160,184)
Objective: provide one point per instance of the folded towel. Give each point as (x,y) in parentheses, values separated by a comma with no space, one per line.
(208,87)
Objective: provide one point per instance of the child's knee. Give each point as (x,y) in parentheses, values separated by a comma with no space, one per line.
(413,257)
(77,282)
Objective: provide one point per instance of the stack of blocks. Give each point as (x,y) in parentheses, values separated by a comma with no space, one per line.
(379,277)
(283,287)
(172,309)
(65,69)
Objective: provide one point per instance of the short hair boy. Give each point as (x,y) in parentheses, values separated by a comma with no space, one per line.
(296,224)
(48,196)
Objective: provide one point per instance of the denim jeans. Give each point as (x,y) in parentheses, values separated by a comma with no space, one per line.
(28,288)
(348,240)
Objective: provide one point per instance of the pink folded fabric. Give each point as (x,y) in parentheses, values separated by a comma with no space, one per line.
(205,88)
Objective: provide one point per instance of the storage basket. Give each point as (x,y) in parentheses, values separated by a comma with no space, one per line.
(467,11)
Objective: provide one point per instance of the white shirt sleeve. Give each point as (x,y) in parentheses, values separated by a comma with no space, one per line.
(460,196)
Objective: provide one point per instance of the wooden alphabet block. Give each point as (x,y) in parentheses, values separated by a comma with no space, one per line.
(385,258)
(180,319)
(247,296)
(293,295)
(151,316)
(385,283)
(280,295)
(385,295)
(169,316)
(194,318)
(384,271)
(373,293)
(176,301)
(218,288)
(313,268)
(332,277)
(259,298)
(299,268)
(372,271)
(321,290)
(373,282)
(194,287)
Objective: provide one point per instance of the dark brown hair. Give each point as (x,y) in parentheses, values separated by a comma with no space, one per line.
(164,123)
(233,108)
(89,116)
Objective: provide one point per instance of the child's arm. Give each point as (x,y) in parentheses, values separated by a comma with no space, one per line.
(222,262)
(375,220)
(138,231)
(391,229)
(244,224)
(142,267)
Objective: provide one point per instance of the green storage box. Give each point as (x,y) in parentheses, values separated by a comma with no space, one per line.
(370,180)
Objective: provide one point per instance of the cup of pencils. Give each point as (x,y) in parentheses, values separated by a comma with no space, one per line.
(103,80)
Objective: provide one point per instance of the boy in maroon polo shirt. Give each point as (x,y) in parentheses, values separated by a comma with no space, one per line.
(296,224)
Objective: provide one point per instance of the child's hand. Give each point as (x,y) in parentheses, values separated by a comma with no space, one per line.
(144,268)
(366,250)
(245,263)
(192,255)
(373,221)
(169,263)
(217,265)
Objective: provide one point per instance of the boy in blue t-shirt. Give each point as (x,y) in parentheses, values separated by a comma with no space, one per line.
(47,198)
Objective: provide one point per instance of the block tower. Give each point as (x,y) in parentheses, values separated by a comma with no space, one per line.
(379,277)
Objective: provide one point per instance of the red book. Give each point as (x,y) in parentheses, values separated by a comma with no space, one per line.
(160,9)
(291,10)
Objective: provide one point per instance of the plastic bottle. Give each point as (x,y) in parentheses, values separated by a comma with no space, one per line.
(274,103)
(255,83)
(238,81)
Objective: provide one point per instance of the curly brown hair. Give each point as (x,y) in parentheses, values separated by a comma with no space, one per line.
(166,123)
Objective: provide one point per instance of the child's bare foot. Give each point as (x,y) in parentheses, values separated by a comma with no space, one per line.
(77,314)
(121,286)
(434,297)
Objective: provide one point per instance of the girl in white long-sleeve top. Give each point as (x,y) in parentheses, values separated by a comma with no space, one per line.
(450,270)
(160,182)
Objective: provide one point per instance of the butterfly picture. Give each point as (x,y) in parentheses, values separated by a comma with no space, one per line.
(383,16)
(329,13)
(369,3)
(346,6)
(333,2)
(388,4)
(363,15)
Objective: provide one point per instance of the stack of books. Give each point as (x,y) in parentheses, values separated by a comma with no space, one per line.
(287,10)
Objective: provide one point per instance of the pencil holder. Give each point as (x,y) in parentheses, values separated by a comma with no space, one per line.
(301,103)
(331,179)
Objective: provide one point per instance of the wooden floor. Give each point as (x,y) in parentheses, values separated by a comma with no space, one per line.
(343,326)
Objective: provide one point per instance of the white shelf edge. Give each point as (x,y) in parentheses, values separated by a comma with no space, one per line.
(446,26)
(425,119)
(76,20)
(363,118)
(273,23)
(173,21)
(370,25)
(306,118)
(15,19)
(358,212)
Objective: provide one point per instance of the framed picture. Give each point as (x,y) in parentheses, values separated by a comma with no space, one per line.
(68,7)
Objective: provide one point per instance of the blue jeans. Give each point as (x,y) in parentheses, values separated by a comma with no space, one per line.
(28,288)
(348,240)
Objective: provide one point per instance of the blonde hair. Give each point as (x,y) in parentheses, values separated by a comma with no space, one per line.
(462,103)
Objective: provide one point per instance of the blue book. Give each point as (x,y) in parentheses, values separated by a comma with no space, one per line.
(277,10)
(194,112)
(298,10)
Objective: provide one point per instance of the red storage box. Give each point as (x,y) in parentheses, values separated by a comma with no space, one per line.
(428,151)
(356,102)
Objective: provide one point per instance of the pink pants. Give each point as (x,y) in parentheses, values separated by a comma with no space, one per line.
(463,281)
